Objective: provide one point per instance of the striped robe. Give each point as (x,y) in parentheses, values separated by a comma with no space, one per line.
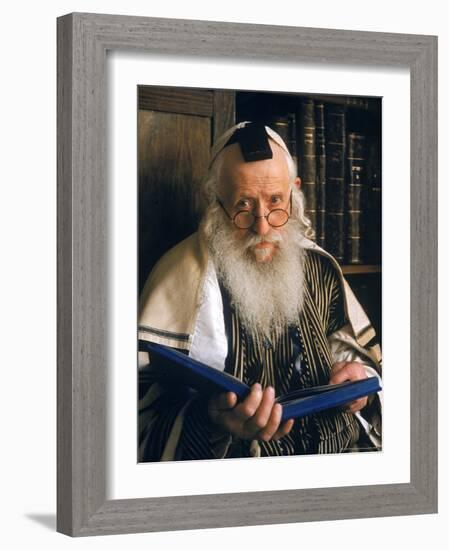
(301,357)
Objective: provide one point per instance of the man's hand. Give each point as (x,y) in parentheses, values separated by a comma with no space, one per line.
(342,372)
(256,417)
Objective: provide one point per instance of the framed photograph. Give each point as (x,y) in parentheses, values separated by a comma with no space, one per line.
(334,143)
(114,73)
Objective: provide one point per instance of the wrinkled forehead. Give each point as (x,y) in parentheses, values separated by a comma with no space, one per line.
(268,174)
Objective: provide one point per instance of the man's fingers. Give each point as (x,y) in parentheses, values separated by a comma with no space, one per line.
(356,405)
(284,429)
(339,373)
(272,424)
(248,407)
(262,415)
(336,367)
(228,400)
(223,401)
(349,371)
(256,417)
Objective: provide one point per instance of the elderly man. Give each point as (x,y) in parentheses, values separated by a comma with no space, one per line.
(252,295)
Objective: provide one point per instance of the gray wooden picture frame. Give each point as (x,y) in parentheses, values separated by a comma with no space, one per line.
(83,41)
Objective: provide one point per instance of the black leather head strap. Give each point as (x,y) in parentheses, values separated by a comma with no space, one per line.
(253,141)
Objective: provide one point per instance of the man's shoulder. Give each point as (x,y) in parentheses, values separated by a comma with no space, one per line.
(318,259)
(178,269)
(171,293)
(189,250)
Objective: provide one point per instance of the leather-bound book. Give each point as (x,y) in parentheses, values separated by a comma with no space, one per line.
(356,182)
(292,138)
(335,135)
(320,175)
(307,157)
(373,241)
(285,126)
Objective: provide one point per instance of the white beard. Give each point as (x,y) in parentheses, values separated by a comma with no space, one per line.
(268,295)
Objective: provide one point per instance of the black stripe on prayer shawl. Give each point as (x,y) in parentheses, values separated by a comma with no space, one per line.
(164,333)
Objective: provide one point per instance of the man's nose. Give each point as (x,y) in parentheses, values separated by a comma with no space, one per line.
(261,226)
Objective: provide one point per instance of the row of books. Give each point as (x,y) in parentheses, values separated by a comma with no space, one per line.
(339,163)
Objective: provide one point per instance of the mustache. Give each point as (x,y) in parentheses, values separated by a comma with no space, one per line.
(272,237)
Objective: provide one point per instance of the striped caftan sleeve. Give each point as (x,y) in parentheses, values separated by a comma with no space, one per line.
(344,347)
(173,421)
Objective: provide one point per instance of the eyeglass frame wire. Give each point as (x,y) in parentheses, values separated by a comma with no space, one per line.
(258,217)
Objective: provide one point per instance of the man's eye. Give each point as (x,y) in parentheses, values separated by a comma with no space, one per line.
(243,204)
(276,200)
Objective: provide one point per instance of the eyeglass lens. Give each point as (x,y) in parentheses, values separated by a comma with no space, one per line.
(276,218)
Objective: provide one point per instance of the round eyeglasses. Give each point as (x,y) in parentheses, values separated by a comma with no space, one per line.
(244,219)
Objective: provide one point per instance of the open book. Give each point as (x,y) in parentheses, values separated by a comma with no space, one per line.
(177,367)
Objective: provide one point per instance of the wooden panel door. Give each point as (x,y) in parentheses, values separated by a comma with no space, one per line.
(176,128)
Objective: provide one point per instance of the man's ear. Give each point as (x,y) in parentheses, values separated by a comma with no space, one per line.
(297,182)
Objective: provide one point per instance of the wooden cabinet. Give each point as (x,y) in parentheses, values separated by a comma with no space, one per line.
(176,128)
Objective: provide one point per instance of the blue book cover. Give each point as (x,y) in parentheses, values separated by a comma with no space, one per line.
(175,365)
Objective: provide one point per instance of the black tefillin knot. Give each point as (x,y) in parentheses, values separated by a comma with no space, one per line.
(253,141)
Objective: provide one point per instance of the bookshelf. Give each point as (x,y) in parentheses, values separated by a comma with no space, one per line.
(336,141)
(341,183)
(360,269)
